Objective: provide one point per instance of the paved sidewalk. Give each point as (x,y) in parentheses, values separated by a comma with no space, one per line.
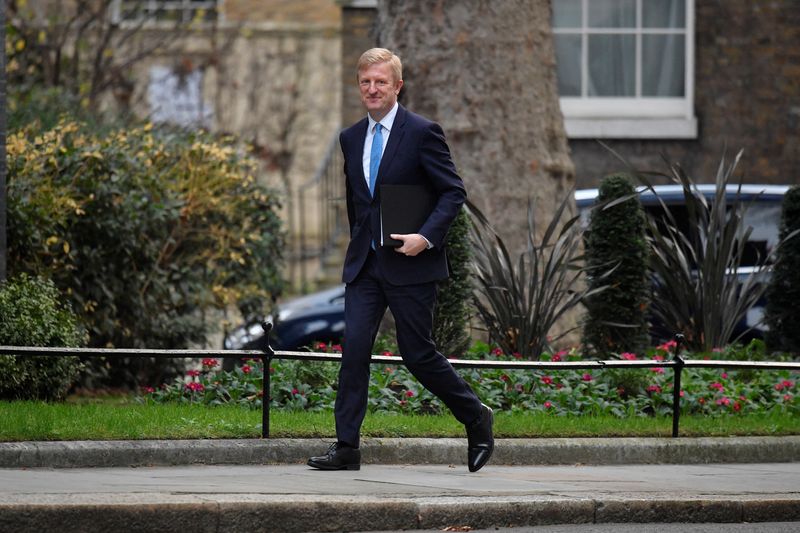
(292,498)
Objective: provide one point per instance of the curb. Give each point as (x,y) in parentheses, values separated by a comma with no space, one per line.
(297,514)
(589,451)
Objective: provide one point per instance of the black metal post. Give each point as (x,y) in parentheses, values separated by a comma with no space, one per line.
(676,388)
(266,359)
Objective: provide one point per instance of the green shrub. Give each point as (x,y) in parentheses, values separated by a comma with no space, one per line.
(617,257)
(32,314)
(452,311)
(783,292)
(144,230)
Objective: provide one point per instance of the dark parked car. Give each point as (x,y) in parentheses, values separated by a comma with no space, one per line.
(763,215)
(317,317)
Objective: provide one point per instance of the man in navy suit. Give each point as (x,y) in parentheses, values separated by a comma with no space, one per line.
(394,146)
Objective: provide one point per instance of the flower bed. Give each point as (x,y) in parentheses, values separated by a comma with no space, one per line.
(302,385)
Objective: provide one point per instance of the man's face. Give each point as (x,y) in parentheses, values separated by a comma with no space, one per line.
(379,89)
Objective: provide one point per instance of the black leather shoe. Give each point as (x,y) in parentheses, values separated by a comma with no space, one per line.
(338,457)
(480,440)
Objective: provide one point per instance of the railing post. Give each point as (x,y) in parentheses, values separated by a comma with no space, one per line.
(266,359)
(676,386)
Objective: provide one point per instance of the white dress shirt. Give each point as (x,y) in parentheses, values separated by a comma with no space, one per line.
(386,123)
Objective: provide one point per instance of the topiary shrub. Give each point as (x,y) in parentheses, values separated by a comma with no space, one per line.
(783,292)
(616,318)
(32,313)
(145,230)
(452,310)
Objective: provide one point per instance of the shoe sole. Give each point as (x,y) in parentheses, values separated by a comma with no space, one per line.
(329,467)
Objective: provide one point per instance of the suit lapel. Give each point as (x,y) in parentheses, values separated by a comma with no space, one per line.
(395,136)
(356,155)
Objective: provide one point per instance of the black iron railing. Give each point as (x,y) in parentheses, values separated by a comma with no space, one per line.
(677,363)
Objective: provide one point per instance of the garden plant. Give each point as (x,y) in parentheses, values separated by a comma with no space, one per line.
(783,292)
(306,386)
(32,313)
(520,300)
(145,230)
(616,244)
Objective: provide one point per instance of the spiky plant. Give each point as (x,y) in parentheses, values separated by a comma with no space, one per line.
(519,300)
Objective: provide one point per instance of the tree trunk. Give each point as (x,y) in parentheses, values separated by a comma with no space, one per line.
(485,70)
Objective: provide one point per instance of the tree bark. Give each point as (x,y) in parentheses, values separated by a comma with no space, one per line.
(485,70)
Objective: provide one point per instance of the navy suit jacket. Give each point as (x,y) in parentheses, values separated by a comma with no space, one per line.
(416,154)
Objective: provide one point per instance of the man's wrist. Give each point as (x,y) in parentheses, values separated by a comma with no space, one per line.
(428,244)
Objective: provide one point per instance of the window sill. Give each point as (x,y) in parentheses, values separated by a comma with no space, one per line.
(631,128)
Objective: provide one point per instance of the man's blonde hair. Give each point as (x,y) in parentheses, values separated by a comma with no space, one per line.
(380,55)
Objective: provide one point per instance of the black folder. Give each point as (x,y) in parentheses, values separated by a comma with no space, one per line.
(404,209)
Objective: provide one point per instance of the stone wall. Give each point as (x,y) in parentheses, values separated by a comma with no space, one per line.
(747,95)
(272,83)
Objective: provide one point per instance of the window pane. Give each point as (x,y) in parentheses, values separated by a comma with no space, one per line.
(568,61)
(567,14)
(612,13)
(612,65)
(664,13)
(663,65)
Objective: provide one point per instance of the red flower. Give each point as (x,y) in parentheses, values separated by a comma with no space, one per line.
(517,355)
(409,393)
(149,390)
(548,404)
(295,391)
(322,346)
(737,406)
(657,370)
(682,394)
(653,388)
(559,385)
(724,401)
(497,352)
(587,377)
(724,375)
(717,386)
(272,370)
(628,356)
(337,348)
(210,362)
(667,346)
(193,373)
(620,391)
(387,353)
(779,386)
(389,370)
(547,380)
(403,402)
(195,387)
(658,357)
(504,377)
(787,397)
(246,369)
(701,400)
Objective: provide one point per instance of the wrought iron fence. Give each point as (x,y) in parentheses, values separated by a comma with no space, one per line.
(677,363)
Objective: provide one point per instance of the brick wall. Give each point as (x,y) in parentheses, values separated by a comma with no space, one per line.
(747,95)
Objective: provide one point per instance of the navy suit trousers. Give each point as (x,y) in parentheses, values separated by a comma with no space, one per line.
(366,300)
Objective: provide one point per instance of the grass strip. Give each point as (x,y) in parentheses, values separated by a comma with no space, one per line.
(22,421)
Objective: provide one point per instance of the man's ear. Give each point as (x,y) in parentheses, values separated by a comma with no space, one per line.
(398,86)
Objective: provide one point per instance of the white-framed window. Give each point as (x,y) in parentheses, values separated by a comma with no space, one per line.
(626,67)
(166,11)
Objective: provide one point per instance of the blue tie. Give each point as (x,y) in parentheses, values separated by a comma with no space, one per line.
(375,158)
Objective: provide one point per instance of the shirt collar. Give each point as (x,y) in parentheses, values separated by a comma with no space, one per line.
(386,122)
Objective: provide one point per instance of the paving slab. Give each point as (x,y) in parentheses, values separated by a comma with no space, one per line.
(294,498)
